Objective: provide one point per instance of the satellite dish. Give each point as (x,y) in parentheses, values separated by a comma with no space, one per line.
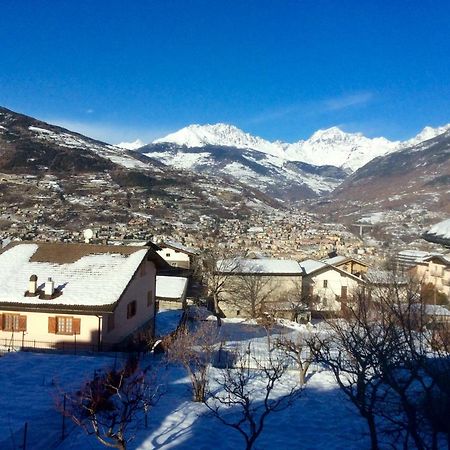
(88,235)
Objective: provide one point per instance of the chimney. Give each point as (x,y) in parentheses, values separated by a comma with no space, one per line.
(32,285)
(49,287)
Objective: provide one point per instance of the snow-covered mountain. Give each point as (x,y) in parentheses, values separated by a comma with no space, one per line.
(223,135)
(131,145)
(426,134)
(285,180)
(411,178)
(303,169)
(331,146)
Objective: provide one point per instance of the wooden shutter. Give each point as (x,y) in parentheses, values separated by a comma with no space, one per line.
(1,321)
(22,323)
(52,325)
(76,326)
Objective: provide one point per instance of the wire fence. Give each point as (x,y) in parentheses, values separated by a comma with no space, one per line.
(248,356)
(74,347)
(46,433)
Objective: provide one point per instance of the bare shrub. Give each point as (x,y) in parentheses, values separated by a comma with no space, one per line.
(193,347)
(245,398)
(297,348)
(108,405)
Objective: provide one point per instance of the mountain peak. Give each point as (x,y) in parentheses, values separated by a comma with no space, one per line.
(329,146)
(131,145)
(330,133)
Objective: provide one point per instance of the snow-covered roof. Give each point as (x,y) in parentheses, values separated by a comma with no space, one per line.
(180,247)
(441,229)
(431,310)
(441,258)
(436,310)
(311,265)
(86,275)
(170,287)
(413,254)
(259,266)
(255,230)
(335,260)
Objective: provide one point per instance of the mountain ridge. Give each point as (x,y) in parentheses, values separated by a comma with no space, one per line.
(349,151)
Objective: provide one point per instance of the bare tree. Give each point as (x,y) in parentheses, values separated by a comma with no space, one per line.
(108,405)
(217,267)
(193,347)
(242,404)
(253,293)
(297,348)
(381,356)
(299,302)
(344,353)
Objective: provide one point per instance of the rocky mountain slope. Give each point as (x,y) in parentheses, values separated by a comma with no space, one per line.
(279,178)
(55,178)
(416,177)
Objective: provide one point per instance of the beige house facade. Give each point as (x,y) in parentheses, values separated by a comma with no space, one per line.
(177,255)
(434,270)
(84,296)
(253,286)
(327,287)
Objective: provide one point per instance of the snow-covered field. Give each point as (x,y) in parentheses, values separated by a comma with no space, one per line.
(320,418)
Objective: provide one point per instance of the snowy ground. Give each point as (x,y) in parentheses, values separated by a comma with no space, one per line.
(32,385)
(321,418)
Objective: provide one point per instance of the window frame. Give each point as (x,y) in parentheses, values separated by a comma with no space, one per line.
(65,320)
(131,309)
(12,319)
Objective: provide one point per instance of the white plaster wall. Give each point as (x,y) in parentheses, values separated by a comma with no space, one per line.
(335,282)
(143,282)
(175,258)
(37,329)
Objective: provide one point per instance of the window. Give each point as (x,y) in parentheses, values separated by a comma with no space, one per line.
(325,283)
(64,325)
(131,309)
(149,298)
(344,292)
(14,322)
(167,255)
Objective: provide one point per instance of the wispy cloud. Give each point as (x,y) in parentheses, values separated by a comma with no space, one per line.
(347,101)
(109,132)
(314,108)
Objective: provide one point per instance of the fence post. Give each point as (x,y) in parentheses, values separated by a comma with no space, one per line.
(63,418)
(25,431)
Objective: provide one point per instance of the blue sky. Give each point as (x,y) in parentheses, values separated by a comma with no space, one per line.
(281,69)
